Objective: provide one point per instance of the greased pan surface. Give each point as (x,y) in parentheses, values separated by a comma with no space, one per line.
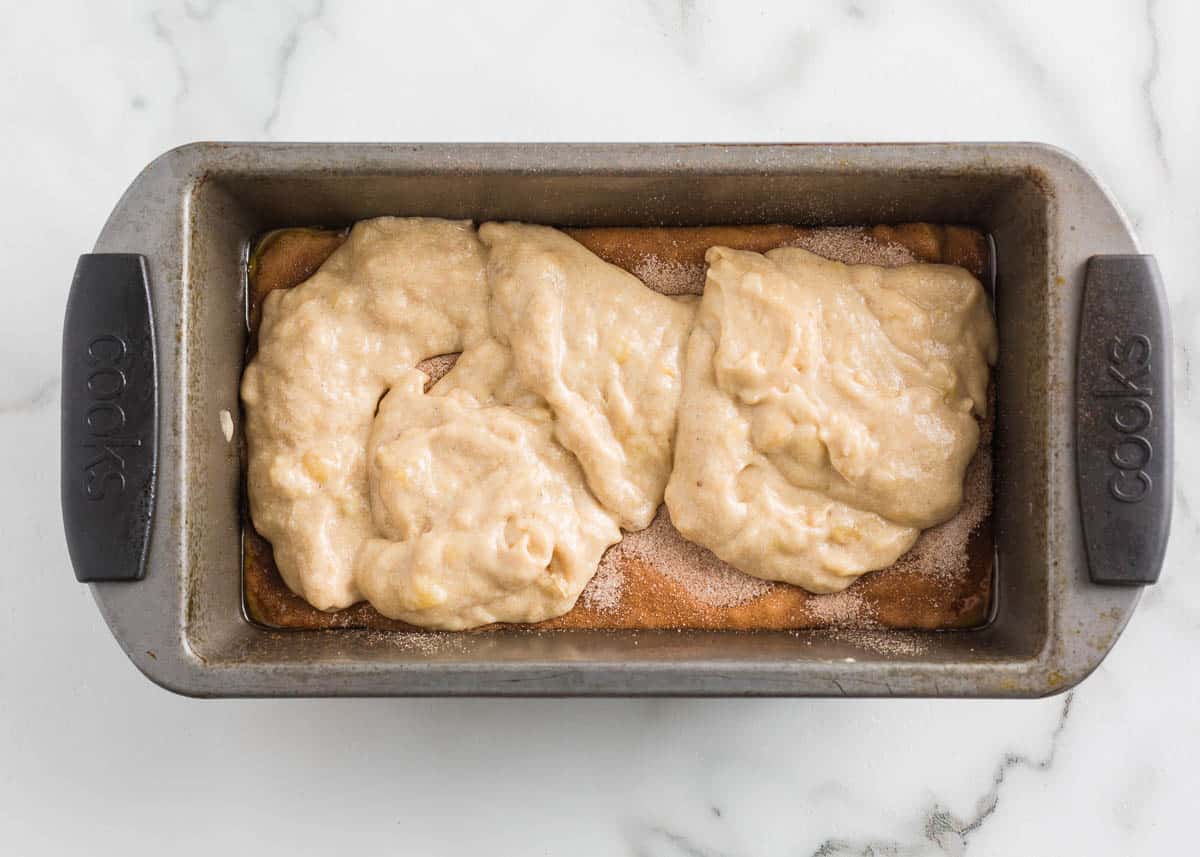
(193,213)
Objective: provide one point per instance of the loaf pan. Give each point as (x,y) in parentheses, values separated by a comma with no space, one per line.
(153,347)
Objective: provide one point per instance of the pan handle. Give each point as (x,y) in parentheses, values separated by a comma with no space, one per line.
(1124,419)
(109,417)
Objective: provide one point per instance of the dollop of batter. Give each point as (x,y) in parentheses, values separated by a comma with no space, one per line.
(602,350)
(481,515)
(469,504)
(828,411)
(398,291)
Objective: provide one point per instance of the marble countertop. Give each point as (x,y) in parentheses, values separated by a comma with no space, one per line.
(94,759)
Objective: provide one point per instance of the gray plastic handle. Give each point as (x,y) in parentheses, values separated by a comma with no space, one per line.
(1123,420)
(109,417)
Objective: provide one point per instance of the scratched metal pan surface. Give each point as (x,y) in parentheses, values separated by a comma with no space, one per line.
(151,481)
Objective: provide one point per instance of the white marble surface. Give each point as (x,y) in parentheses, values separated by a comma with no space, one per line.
(94,759)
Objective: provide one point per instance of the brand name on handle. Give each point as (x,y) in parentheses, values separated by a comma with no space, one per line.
(104,421)
(1129,395)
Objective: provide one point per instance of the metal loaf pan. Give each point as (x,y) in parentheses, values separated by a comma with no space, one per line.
(153,350)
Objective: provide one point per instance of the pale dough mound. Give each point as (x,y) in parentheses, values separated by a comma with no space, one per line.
(828,411)
(482,517)
(603,350)
(470,504)
(398,291)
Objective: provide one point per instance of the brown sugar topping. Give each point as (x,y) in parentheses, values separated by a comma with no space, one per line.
(702,575)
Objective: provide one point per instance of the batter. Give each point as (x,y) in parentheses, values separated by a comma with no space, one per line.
(827,416)
(398,291)
(492,497)
(828,412)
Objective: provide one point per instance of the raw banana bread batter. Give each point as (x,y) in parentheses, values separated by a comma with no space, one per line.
(539,398)
(492,497)
(828,413)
